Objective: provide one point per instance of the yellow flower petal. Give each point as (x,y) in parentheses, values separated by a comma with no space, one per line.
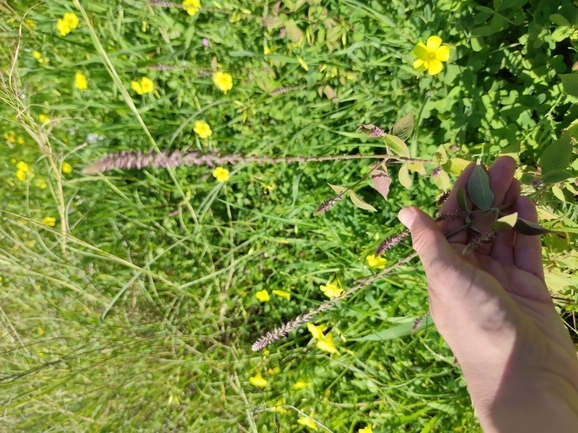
(307,422)
(316,331)
(71,20)
(366,429)
(433,43)
(327,344)
(331,290)
(202,129)
(257,380)
(301,384)
(80,81)
(222,175)
(223,81)
(420,50)
(376,262)
(191,6)
(49,221)
(273,371)
(283,294)
(420,65)
(443,54)
(146,84)
(66,167)
(262,296)
(136,87)
(434,67)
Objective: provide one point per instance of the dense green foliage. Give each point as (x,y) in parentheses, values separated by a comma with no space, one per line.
(136,310)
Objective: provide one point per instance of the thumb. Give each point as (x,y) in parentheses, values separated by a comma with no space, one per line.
(429,242)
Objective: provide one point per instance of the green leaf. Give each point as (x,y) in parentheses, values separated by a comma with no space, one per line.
(293,31)
(440,156)
(557,155)
(479,188)
(506,223)
(462,199)
(559,20)
(558,193)
(396,145)
(556,176)
(529,228)
(570,83)
(404,177)
(442,181)
(395,332)
(404,126)
(338,189)
(455,166)
(381,181)
(357,201)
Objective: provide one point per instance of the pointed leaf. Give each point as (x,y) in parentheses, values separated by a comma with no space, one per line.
(381,181)
(404,177)
(357,201)
(556,176)
(479,188)
(404,126)
(397,145)
(442,180)
(441,156)
(558,193)
(462,199)
(417,167)
(557,155)
(529,228)
(506,223)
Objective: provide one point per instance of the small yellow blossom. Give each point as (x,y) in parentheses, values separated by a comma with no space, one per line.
(43,118)
(267,50)
(331,290)
(29,22)
(23,167)
(366,429)
(36,54)
(10,136)
(20,140)
(20,175)
(307,422)
(191,6)
(278,408)
(80,81)
(223,81)
(301,384)
(221,174)
(49,221)
(202,129)
(273,371)
(431,55)
(40,183)
(283,294)
(40,330)
(262,296)
(376,262)
(327,344)
(66,167)
(68,22)
(145,85)
(257,380)
(316,331)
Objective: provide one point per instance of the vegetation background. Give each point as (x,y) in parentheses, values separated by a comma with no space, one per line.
(128,298)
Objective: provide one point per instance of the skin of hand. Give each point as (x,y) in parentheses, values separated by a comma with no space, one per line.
(493,308)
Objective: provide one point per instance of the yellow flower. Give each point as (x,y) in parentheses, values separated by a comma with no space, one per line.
(43,118)
(40,330)
(366,429)
(278,408)
(36,54)
(10,136)
(68,22)
(222,175)
(144,86)
(23,167)
(29,22)
(316,331)
(301,384)
(283,294)
(262,296)
(307,422)
(331,290)
(431,55)
(40,183)
(49,221)
(327,344)
(257,380)
(80,81)
(223,81)
(273,371)
(202,129)
(376,262)
(20,140)
(20,175)
(66,167)
(191,6)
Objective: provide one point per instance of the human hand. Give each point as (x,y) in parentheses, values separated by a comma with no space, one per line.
(493,308)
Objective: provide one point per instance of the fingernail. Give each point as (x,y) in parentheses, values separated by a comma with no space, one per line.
(407,217)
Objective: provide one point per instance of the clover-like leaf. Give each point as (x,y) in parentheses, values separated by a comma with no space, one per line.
(506,223)
(479,188)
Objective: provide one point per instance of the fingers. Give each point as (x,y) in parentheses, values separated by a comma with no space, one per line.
(451,205)
(503,245)
(528,249)
(429,242)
